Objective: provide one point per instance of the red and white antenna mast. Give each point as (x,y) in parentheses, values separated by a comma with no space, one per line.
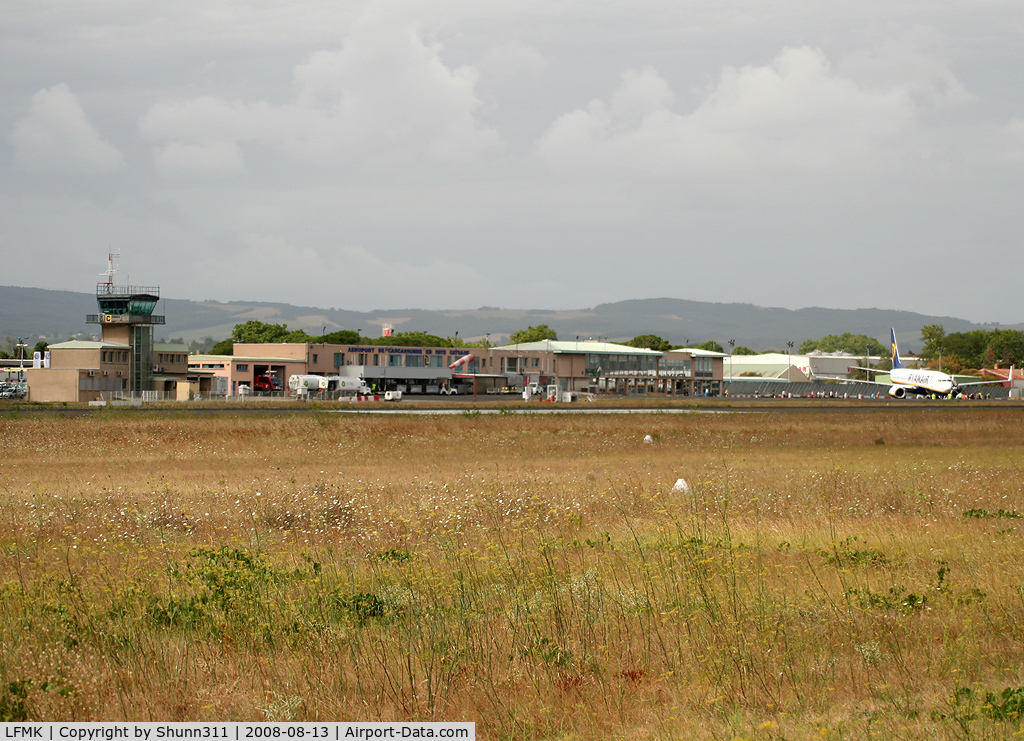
(111,268)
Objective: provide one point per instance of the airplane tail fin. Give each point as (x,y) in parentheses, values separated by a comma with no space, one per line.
(895,350)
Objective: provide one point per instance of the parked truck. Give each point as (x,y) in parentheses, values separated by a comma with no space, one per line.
(266,384)
(347,385)
(306,385)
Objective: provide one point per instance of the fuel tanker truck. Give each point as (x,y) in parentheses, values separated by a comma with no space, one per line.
(306,385)
(302,385)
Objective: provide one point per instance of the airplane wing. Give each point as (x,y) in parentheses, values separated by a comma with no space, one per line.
(852,380)
(1009,375)
(981,383)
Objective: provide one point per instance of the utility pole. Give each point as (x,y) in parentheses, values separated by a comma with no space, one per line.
(22,345)
(732,346)
(789,362)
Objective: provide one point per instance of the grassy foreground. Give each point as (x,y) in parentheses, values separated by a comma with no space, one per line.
(825,575)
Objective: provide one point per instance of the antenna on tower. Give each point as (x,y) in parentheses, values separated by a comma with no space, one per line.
(111,268)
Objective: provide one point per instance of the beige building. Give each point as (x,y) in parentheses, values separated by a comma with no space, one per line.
(244,369)
(81,370)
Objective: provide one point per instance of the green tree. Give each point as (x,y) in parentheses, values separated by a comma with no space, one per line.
(1005,346)
(254,331)
(979,348)
(743,350)
(934,336)
(532,334)
(260,332)
(855,344)
(650,342)
(342,337)
(711,345)
(224,347)
(41,346)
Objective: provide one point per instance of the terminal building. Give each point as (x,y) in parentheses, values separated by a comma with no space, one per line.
(127,363)
(584,366)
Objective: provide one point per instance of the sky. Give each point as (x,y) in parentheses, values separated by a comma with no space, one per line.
(545,155)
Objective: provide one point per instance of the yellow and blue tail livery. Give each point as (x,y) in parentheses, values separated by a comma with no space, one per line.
(895,350)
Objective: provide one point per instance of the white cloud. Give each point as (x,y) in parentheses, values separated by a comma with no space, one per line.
(384,96)
(794,112)
(909,60)
(56,136)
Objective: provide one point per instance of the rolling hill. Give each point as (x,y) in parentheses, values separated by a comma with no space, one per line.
(57,315)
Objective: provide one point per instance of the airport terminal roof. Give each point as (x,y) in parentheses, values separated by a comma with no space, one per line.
(582,346)
(89,345)
(699,352)
(240,359)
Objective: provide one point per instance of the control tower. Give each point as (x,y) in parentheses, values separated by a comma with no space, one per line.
(126,316)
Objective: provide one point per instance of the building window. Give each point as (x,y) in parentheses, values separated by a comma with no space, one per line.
(413,361)
(362,358)
(376,359)
(676,366)
(314,357)
(394,359)
(535,362)
(242,367)
(511,365)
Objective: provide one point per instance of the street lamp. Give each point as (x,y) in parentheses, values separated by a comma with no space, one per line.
(789,363)
(732,345)
(22,345)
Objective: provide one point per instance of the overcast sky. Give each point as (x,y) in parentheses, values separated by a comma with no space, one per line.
(529,154)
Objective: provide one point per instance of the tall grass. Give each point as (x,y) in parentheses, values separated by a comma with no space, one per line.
(537,575)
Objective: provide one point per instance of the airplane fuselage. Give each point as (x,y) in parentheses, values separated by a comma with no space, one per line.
(922,382)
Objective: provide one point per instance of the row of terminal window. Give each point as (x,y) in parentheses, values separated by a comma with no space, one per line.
(396,360)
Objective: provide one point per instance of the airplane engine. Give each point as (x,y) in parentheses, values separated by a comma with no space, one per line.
(898,391)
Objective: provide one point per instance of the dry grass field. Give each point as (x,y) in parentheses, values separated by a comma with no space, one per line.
(827,575)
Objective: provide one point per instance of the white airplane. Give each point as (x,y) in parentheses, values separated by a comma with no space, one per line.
(905,380)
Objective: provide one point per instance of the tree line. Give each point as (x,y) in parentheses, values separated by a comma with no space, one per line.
(957,351)
(254,331)
(978,348)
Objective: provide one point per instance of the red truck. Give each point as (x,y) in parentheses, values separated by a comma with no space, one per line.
(266,384)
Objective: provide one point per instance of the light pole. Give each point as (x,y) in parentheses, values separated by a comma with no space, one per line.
(22,345)
(732,345)
(789,362)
